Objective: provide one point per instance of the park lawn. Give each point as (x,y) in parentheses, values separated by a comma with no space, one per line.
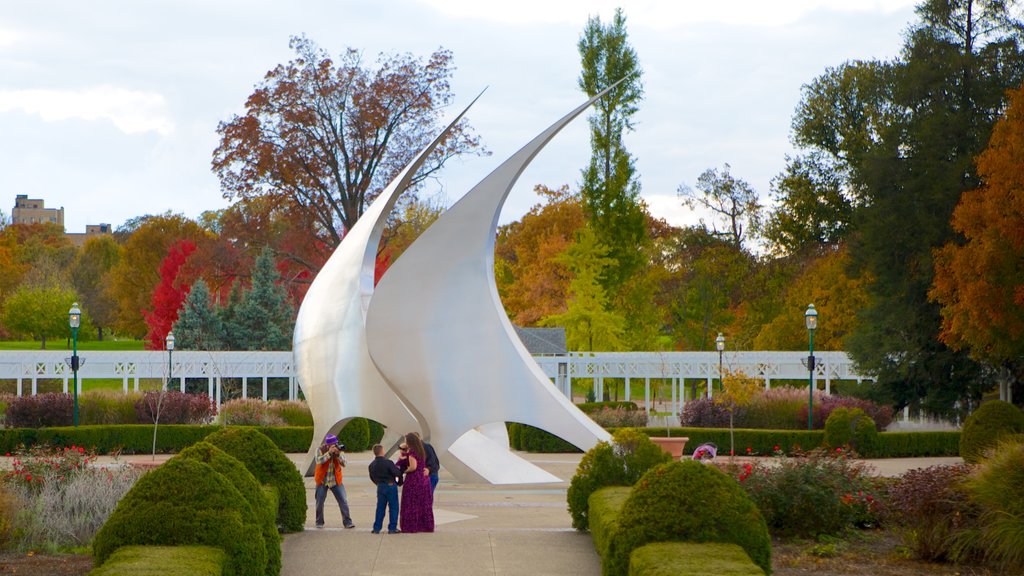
(62,344)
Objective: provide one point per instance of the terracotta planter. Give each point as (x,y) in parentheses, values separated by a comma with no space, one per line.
(672,445)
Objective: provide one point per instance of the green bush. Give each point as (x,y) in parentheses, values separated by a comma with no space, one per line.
(687,502)
(186,502)
(107,407)
(251,490)
(289,439)
(533,439)
(604,507)
(514,440)
(138,438)
(807,497)
(270,466)
(588,407)
(163,561)
(355,435)
(376,432)
(689,559)
(292,412)
(997,486)
(983,429)
(620,463)
(850,427)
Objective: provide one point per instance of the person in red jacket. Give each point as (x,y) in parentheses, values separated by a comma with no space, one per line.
(328,474)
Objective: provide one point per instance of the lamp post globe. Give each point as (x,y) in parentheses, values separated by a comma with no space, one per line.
(74,322)
(169,342)
(811,321)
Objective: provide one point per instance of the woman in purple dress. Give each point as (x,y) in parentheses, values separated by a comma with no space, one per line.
(416,512)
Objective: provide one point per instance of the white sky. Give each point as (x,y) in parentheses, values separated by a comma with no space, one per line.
(109,108)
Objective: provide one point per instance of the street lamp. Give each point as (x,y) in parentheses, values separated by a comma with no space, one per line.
(811,320)
(74,321)
(720,344)
(169,341)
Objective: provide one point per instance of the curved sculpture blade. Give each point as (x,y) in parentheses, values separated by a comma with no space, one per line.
(438,332)
(332,361)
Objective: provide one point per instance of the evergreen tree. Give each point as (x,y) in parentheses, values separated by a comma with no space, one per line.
(198,326)
(610,189)
(228,313)
(264,319)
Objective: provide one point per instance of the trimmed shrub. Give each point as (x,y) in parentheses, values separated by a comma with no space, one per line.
(881,415)
(50,409)
(289,439)
(376,431)
(930,509)
(807,497)
(251,490)
(588,407)
(163,561)
(355,435)
(983,428)
(187,502)
(997,486)
(689,559)
(620,463)
(514,440)
(138,438)
(604,507)
(533,439)
(687,502)
(852,428)
(175,408)
(270,466)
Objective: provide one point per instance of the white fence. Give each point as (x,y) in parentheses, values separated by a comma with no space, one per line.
(217,369)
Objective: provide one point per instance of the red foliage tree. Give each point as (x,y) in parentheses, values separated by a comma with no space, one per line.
(168,295)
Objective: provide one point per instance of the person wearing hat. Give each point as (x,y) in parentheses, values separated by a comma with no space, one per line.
(329,462)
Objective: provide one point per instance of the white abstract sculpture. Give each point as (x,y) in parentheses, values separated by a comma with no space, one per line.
(337,376)
(437,331)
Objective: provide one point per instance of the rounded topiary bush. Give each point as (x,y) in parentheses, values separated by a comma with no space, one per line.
(687,502)
(185,502)
(986,426)
(270,466)
(620,463)
(355,435)
(851,427)
(239,476)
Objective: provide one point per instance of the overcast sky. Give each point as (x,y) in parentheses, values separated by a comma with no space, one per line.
(110,108)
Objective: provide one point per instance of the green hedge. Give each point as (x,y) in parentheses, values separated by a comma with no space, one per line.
(533,439)
(604,506)
(690,559)
(138,438)
(163,561)
(588,407)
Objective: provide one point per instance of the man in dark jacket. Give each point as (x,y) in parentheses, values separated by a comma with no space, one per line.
(385,474)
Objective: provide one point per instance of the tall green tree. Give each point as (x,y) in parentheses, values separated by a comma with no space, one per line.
(610,189)
(733,205)
(90,275)
(198,326)
(40,312)
(813,208)
(264,319)
(909,143)
(589,324)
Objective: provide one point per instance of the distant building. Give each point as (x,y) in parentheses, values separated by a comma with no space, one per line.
(34,211)
(91,230)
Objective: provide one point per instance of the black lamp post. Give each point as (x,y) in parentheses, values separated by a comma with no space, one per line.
(720,344)
(811,320)
(169,341)
(75,321)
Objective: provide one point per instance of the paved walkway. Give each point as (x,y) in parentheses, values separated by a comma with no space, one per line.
(481,529)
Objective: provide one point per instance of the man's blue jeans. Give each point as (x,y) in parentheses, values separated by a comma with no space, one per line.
(339,494)
(434,479)
(387,497)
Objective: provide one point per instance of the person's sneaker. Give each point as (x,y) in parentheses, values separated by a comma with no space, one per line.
(319,526)
(374,531)
(350,525)
(394,531)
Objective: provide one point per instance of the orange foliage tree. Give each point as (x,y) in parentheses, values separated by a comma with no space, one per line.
(980,282)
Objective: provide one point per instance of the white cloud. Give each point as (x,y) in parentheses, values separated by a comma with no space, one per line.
(132,112)
(656,14)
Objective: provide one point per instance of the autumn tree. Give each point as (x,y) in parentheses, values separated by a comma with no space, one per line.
(733,204)
(532,282)
(589,324)
(169,295)
(198,326)
(133,279)
(980,282)
(610,189)
(403,228)
(90,276)
(738,390)
(327,135)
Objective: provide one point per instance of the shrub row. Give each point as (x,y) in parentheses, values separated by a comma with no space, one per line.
(167,560)
(530,439)
(588,407)
(779,409)
(689,559)
(138,438)
(57,409)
